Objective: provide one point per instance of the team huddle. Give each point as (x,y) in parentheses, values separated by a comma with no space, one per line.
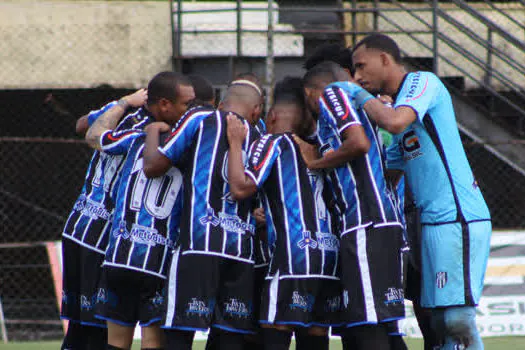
(194,217)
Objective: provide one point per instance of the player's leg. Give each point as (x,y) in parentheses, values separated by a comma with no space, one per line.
(276,337)
(312,338)
(255,341)
(374,336)
(152,337)
(71,284)
(120,336)
(95,330)
(118,303)
(151,311)
(395,336)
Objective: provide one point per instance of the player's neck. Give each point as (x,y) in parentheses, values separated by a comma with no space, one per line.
(394,81)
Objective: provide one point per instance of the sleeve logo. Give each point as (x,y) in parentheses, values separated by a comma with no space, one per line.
(337,104)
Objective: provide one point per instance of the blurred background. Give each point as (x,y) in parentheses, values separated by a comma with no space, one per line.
(59,59)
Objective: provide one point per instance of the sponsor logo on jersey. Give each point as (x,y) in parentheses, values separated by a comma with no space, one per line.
(258,152)
(237,308)
(441,279)
(302,302)
(307,241)
(337,104)
(327,241)
(411,146)
(413,88)
(200,307)
(149,236)
(91,209)
(394,296)
(230,223)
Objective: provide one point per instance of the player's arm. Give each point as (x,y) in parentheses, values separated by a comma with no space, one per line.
(155,163)
(160,156)
(392,120)
(82,126)
(418,95)
(241,185)
(355,144)
(110,118)
(338,111)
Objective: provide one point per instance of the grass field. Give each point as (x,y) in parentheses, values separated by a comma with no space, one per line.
(503,343)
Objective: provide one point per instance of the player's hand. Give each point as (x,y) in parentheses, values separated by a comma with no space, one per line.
(387,100)
(259,216)
(159,126)
(308,151)
(236,130)
(137,99)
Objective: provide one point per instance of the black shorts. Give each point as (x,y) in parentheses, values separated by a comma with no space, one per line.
(259,276)
(413,268)
(371,271)
(301,302)
(80,278)
(209,291)
(126,297)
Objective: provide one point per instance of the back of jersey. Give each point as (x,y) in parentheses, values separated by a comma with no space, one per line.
(299,232)
(216,224)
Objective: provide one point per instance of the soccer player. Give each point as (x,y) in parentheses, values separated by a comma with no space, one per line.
(85,238)
(211,275)
(301,289)
(145,221)
(371,233)
(456,222)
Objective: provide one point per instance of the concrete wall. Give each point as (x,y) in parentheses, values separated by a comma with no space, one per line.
(65,44)
(70,44)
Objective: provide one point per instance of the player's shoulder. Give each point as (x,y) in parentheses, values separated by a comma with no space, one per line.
(420,81)
(133,119)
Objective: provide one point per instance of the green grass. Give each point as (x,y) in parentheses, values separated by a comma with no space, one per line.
(500,343)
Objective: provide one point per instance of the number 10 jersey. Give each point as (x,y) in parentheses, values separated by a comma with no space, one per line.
(147,211)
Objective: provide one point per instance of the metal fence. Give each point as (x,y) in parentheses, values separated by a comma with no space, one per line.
(42,161)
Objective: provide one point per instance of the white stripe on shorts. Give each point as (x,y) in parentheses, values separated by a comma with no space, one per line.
(362,256)
(272,305)
(172,288)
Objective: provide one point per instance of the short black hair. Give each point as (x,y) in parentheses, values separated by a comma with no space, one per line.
(204,90)
(330,52)
(164,85)
(327,69)
(383,43)
(289,90)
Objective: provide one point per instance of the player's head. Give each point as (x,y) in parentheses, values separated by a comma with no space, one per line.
(316,80)
(204,92)
(331,52)
(287,113)
(375,58)
(249,76)
(244,98)
(169,94)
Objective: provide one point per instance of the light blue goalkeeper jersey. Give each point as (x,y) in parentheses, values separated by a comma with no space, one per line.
(432,156)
